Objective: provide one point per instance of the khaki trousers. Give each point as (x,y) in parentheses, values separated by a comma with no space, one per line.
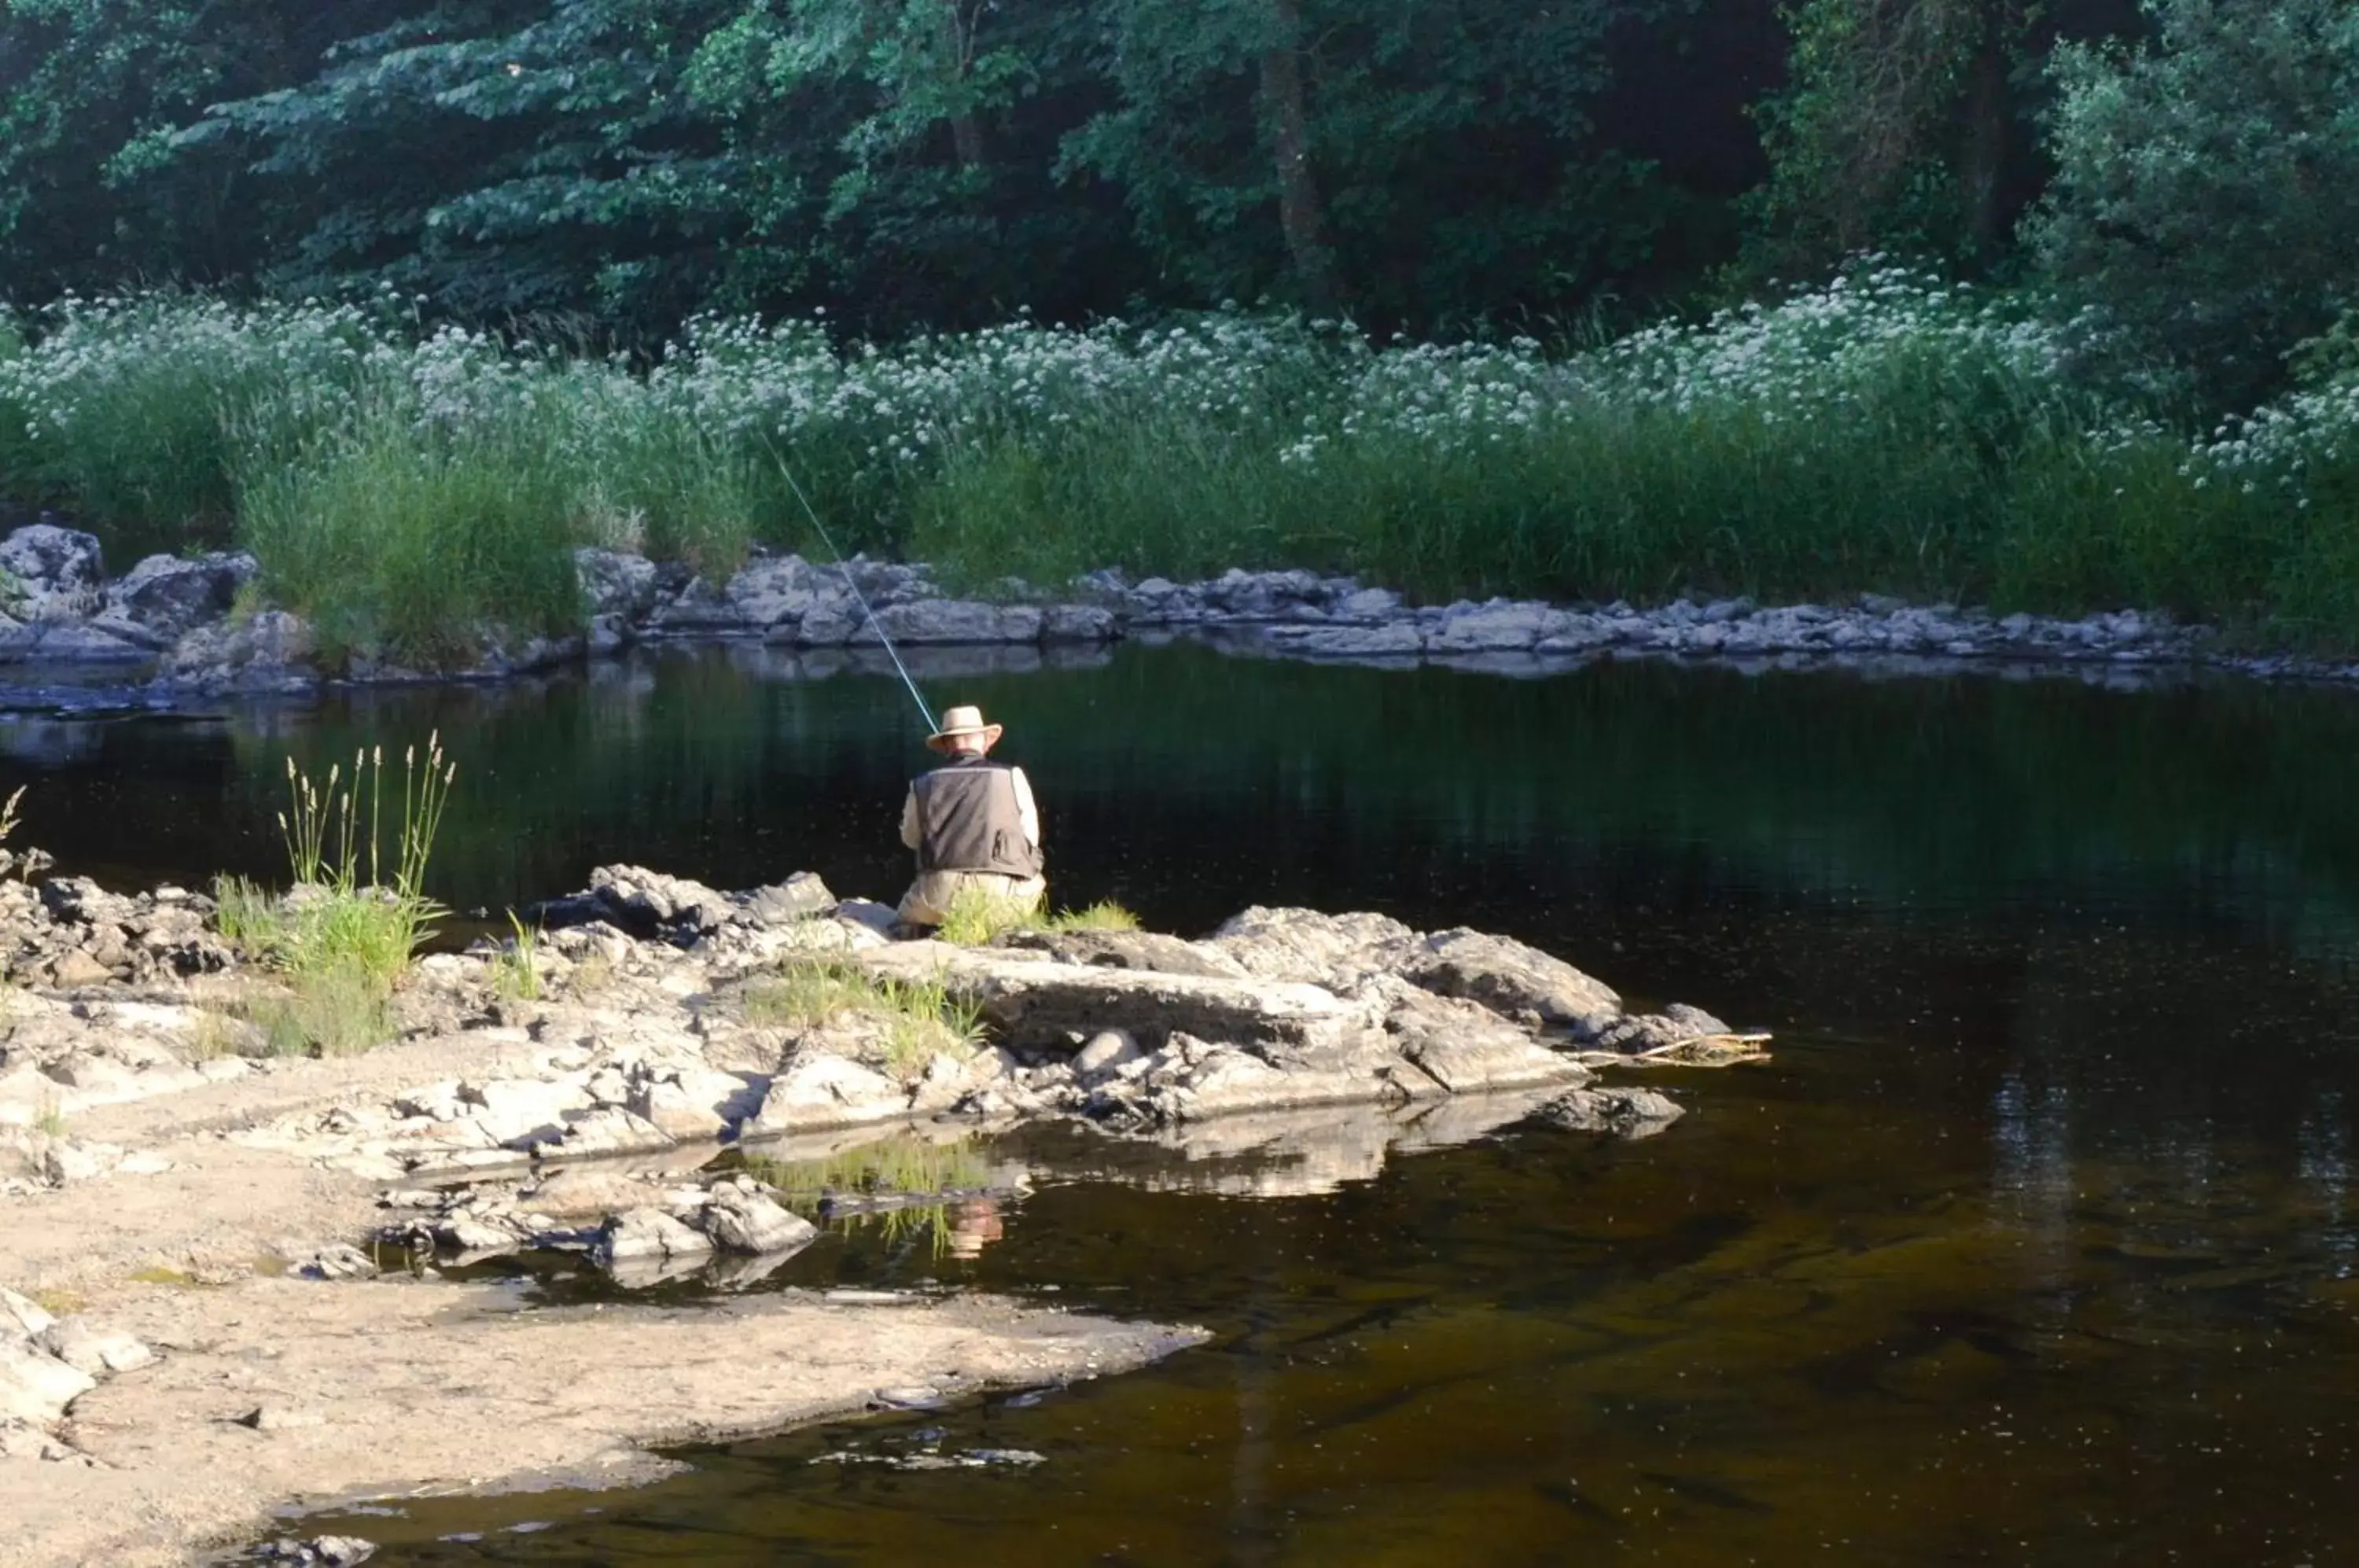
(928,900)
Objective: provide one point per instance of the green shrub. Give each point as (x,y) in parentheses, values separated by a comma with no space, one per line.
(414,546)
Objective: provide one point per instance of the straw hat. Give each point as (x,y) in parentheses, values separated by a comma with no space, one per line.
(960,723)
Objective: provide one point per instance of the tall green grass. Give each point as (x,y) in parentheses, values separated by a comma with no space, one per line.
(419,548)
(414,495)
(345,934)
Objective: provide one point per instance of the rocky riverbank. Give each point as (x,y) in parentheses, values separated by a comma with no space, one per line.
(206,1330)
(178,629)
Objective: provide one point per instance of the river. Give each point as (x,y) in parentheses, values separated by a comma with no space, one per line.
(2034,1242)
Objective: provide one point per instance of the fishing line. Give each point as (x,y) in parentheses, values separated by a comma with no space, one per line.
(894,653)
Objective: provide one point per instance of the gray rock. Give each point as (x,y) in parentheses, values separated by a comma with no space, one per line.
(29,1318)
(1626,1113)
(1641,1032)
(1192,1080)
(778,591)
(1338,952)
(94,1351)
(46,560)
(921,623)
(521,1112)
(647,903)
(827,628)
(1130,949)
(166,597)
(1467,1050)
(1080,622)
(339,1261)
(1367,606)
(35,1386)
(606,1130)
(75,642)
(1512,979)
(1493,628)
(801,896)
(695,1103)
(1106,1054)
(1038,1004)
(647,1235)
(743,1219)
(277,1417)
(819,1089)
(1398,640)
(701,606)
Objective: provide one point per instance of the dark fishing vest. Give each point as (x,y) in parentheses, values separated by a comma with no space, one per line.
(967,820)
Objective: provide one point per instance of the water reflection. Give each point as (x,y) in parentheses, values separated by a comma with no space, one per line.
(2034,1243)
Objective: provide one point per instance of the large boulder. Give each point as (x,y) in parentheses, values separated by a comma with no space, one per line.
(1039,1003)
(616,583)
(34,1385)
(741,1217)
(164,598)
(44,561)
(1510,979)
(1130,949)
(819,1089)
(1466,1049)
(1335,951)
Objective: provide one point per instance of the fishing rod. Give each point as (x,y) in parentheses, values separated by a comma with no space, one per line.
(851,578)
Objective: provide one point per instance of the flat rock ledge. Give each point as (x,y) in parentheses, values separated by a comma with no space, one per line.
(280,1393)
(188,626)
(201,1340)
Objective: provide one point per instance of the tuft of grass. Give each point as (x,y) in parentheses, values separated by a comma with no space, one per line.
(213,1036)
(515,968)
(60,1303)
(337,1010)
(49,1119)
(1105,915)
(915,1020)
(978,919)
(357,916)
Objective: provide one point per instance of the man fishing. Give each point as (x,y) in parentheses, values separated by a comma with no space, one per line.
(974,824)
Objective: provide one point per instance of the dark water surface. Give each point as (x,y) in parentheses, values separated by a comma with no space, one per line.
(2035,1243)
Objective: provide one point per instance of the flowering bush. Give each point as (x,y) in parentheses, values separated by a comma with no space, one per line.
(1886,431)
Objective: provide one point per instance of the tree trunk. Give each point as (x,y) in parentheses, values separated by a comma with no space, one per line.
(1298,216)
(1981,169)
(966,131)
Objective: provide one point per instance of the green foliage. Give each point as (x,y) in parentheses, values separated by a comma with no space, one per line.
(336,1010)
(976,918)
(2207,188)
(913,1021)
(356,917)
(413,546)
(1103,916)
(515,968)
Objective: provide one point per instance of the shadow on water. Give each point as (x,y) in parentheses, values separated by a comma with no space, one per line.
(2034,1242)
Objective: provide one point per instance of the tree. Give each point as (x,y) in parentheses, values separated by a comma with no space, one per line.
(1907,125)
(80,81)
(2207,187)
(1381,158)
